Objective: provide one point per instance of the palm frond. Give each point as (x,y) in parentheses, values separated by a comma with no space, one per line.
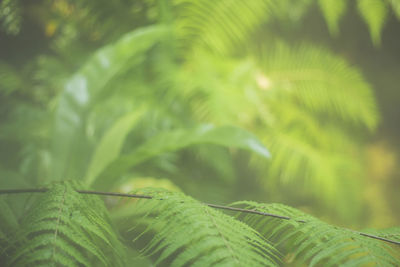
(66,228)
(187,232)
(318,243)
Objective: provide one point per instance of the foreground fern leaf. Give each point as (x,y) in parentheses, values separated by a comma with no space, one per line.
(321,244)
(187,232)
(66,228)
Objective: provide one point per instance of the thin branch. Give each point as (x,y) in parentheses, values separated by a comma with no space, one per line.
(376,237)
(113,194)
(249,211)
(17,191)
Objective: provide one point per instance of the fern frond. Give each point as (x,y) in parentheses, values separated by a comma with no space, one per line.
(333,11)
(297,100)
(318,243)
(321,82)
(219,25)
(392,233)
(8,225)
(187,232)
(8,220)
(396,7)
(325,170)
(66,228)
(375,13)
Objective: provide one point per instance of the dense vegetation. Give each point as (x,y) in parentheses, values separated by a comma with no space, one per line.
(171,99)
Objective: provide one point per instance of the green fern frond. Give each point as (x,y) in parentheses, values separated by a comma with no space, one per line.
(375,13)
(321,82)
(333,11)
(8,220)
(318,243)
(68,229)
(297,100)
(396,7)
(8,225)
(305,135)
(323,170)
(187,232)
(219,25)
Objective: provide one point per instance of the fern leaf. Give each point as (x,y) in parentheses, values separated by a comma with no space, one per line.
(396,7)
(8,225)
(333,11)
(8,221)
(321,82)
(219,25)
(389,233)
(322,170)
(66,228)
(187,232)
(318,243)
(374,13)
(297,100)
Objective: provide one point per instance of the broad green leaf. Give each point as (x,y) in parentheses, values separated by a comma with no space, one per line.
(70,148)
(110,145)
(227,136)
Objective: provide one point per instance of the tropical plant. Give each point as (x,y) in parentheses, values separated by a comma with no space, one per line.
(164,101)
(68,227)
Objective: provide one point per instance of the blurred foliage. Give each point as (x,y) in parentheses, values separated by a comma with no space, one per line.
(10,15)
(184,63)
(122,94)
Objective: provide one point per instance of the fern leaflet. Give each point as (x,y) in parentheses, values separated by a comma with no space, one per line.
(66,228)
(319,243)
(187,232)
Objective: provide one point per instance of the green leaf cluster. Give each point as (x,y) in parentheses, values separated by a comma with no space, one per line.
(66,228)
(201,97)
